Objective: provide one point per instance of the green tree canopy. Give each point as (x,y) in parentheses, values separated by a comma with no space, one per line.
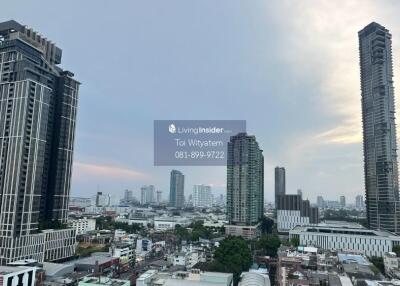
(269,244)
(232,256)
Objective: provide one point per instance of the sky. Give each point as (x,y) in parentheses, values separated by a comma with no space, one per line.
(289,68)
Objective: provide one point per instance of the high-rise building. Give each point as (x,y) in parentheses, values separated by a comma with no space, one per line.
(102,200)
(38,103)
(342,201)
(177,189)
(245,186)
(128,195)
(280,182)
(159,197)
(202,196)
(360,202)
(147,195)
(379,130)
(293,211)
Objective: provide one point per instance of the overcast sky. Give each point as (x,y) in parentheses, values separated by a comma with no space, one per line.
(290,68)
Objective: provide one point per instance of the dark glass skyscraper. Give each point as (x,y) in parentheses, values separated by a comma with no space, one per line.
(38,103)
(176,191)
(379,130)
(245,181)
(280,183)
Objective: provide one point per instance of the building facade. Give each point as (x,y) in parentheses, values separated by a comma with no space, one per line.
(379,130)
(245,182)
(202,196)
(346,239)
(147,195)
(38,102)
(177,189)
(280,182)
(82,225)
(293,211)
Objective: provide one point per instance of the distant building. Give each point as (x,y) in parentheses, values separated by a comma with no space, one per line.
(320,202)
(177,189)
(159,197)
(379,128)
(80,202)
(128,195)
(280,182)
(300,192)
(147,195)
(360,202)
(245,185)
(293,211)
(202,196)
(102,200)
(82,225)
(392,265)
(342,201)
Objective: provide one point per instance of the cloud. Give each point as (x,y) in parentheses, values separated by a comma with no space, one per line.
(347,133)
(82,170)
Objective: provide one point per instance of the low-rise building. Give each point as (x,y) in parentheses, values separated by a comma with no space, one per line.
(17,275)
(192,278)
(391,262)
(100,281)
(82,225)
(246,231)
(346,239)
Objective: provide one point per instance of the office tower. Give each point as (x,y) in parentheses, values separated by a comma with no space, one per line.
(280,182)
(245,186)
(359,202)
(292,211)
(202,196)
(159,197)
(37,125)
(342,201)
(379,130)
(147,195)
(299,192)
(320,202)
(176,190)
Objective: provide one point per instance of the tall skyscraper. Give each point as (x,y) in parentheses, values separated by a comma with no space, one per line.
(245,185)
(177,189)
(280,182)
(379,130)
(202,196)
(38,103)
(147,195)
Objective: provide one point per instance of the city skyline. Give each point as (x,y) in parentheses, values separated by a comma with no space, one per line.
(322,145)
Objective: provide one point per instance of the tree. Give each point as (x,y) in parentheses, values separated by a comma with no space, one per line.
(232,256)
(266,225)
(269,244)
(396,249)
(295,241)
(378,263)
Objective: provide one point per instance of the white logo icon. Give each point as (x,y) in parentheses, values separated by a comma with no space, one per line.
(172,128)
